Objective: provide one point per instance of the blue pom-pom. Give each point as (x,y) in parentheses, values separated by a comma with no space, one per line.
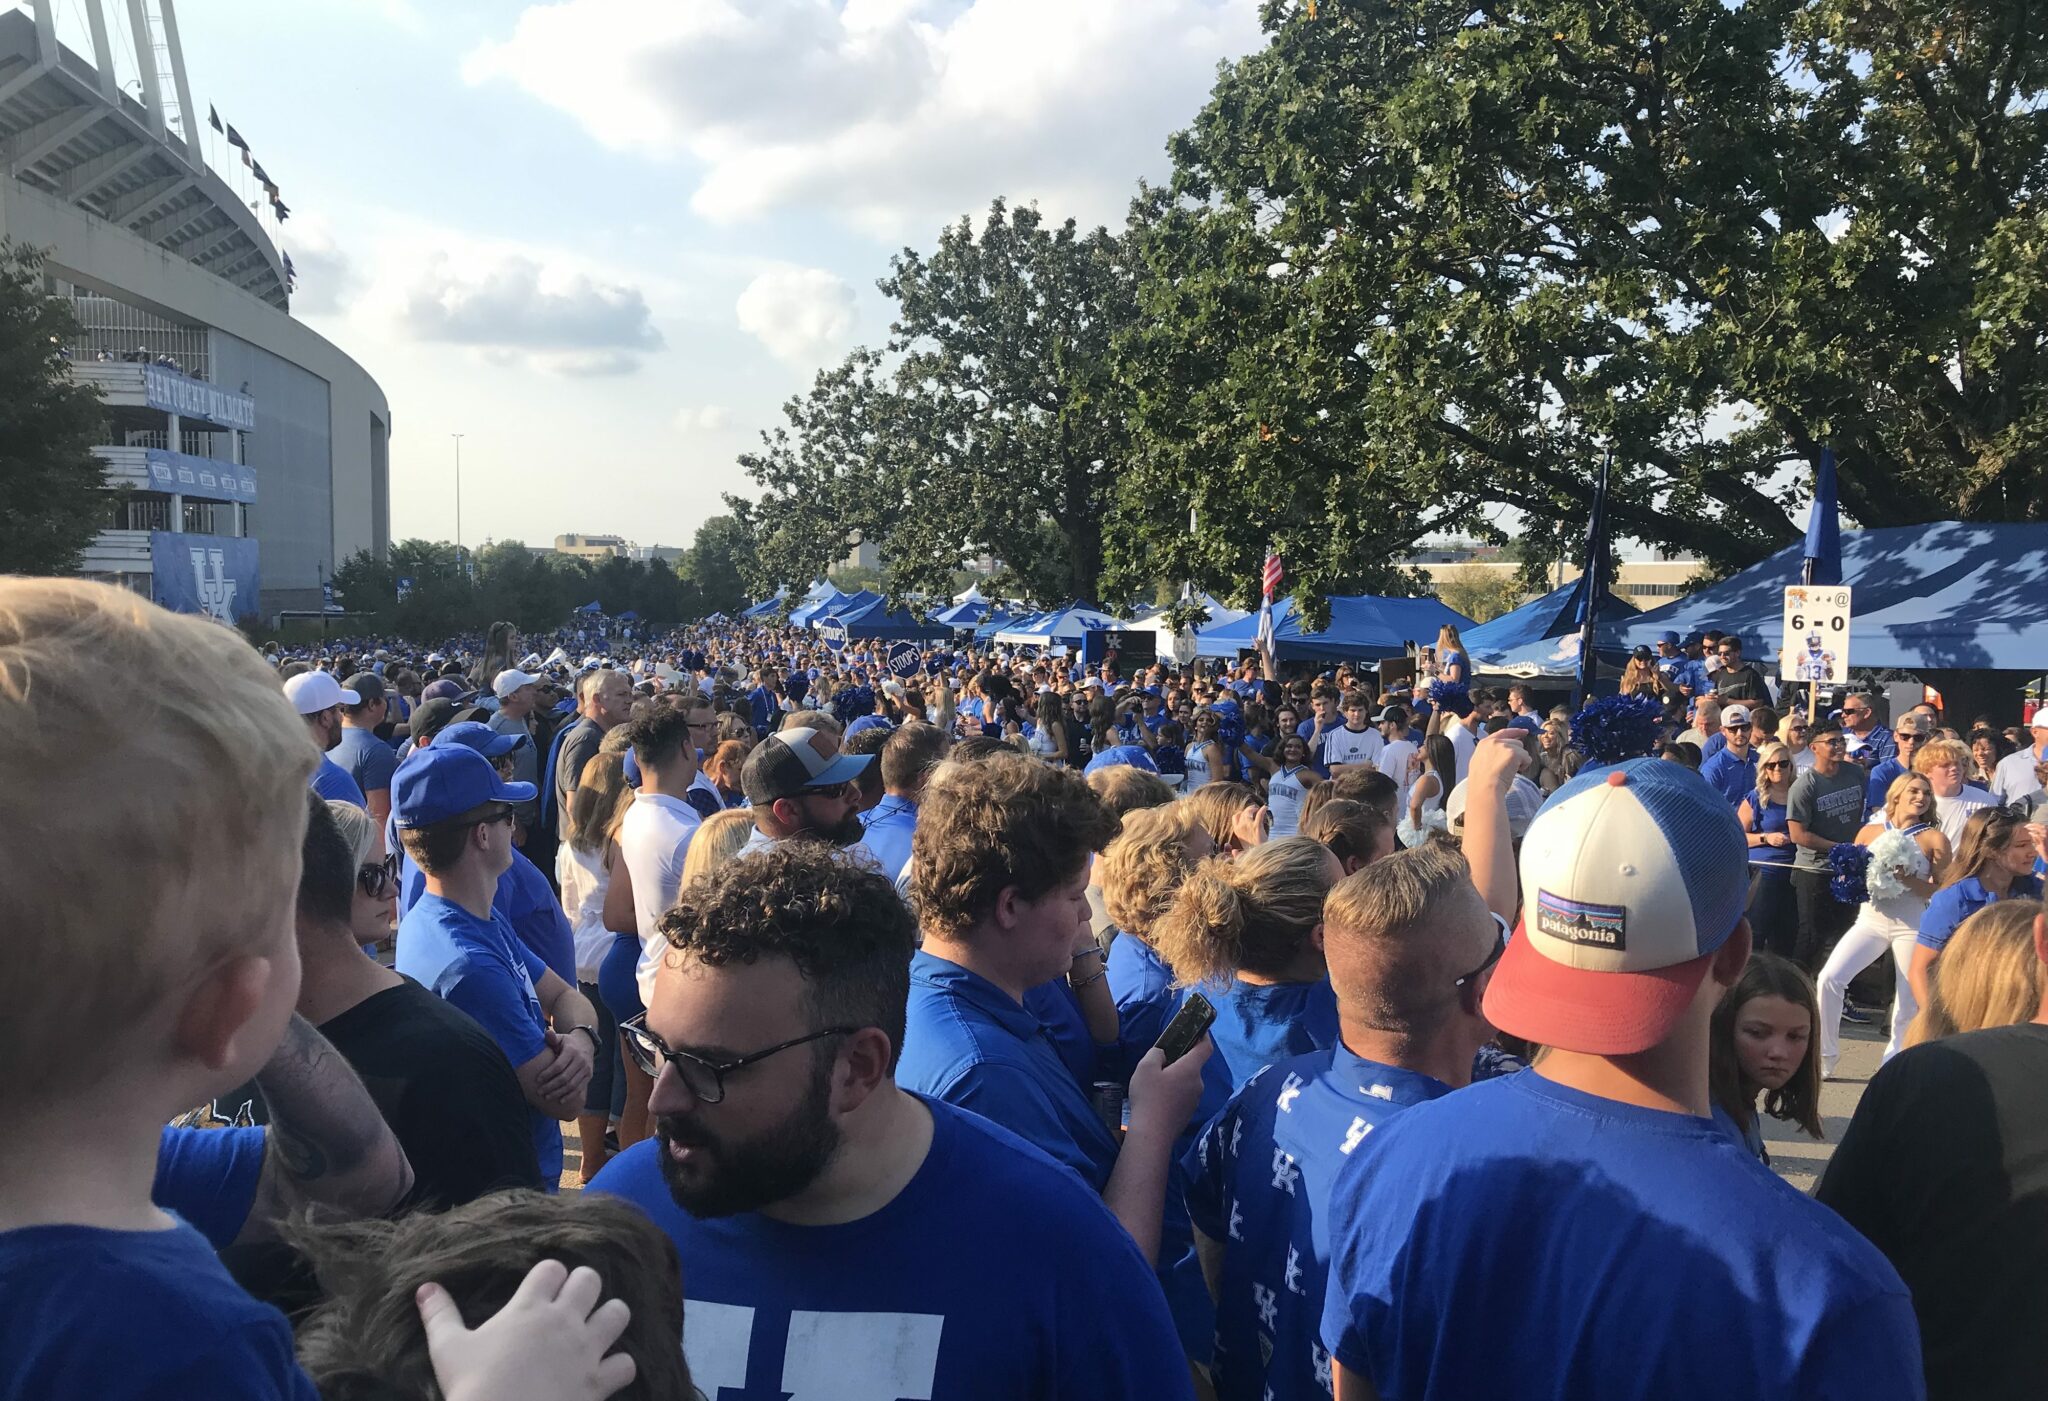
(1848,865)
(1452,696)
(1615,729)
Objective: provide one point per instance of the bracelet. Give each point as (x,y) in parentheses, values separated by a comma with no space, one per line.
(1086,982)
(1094,951)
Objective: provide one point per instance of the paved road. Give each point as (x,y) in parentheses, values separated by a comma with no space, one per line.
(1799,1159)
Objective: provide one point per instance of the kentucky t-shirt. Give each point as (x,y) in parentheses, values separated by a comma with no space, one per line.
(1349,746)
(1827,805)
(1285,789)
(1520,1238)
(481,967)
(1259,1183)
(992,1276)
(135,1316)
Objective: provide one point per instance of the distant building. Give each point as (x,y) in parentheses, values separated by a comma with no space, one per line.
(592,546)
(864,554)
(1647,583)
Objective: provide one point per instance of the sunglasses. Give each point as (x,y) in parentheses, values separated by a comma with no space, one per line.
(1500,946)
(705,1078)
(1777,764)
(379,879)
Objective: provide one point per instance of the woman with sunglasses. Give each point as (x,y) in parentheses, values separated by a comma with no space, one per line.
(1773,917)
(374,912)
(1994,861)
(1908,859)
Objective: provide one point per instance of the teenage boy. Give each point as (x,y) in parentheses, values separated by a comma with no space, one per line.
(1355,744)
(156,932)
(1583,1230)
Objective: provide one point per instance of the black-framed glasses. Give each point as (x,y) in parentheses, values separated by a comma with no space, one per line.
(1500,946)
(705,1079)
(379,878)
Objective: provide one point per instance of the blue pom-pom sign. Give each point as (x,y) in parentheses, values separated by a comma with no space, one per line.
(1615,729)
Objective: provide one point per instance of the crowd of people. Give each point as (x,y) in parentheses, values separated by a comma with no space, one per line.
(847,973)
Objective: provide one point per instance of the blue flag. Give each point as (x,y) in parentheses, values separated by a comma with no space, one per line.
(1592,583)
(1824,527)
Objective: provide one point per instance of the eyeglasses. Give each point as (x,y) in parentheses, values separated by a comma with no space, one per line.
(379,879)
(1500,946)
(705,1079)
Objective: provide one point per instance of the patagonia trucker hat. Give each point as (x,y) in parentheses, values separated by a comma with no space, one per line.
(448,781)
(1632,877)
(790,762)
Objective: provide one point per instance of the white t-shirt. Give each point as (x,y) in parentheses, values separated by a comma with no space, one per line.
(2014,777)
(653,840)
(1463,742)
(1393,762)
(584,881)
(1349,746)
(1953,814)
(1284,792)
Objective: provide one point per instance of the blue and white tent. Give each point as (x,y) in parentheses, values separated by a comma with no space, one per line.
(875,619)
(967,613)
(1060,627)
(803,614)
(1539,639)
(767,605)
(1365,627)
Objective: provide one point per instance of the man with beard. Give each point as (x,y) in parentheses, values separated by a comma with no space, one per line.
(844,1237)
(801,785)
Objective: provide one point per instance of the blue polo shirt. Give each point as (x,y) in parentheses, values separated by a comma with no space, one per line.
(1258,1024)
(523,897)
(1731,777)
(1881,779)
(1524,1239)
(969,1043)
(1259,1183)
(992,1276)
(890,825)
(1058,1009)
(482,967)
(1953,904)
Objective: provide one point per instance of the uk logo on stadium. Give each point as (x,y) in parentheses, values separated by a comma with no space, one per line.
(211,583)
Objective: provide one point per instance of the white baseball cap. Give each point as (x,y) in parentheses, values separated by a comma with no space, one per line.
(510,680)
(1735,715)
(1632,876)
(311,692)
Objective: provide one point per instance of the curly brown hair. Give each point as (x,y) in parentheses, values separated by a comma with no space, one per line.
(839,921)
(1252,914)
(1000,823)
(1143,868)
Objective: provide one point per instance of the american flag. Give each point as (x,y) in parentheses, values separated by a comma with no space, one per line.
(1270,582)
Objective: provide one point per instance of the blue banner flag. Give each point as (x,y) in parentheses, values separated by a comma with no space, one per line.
(1592,584)
(217,575)
(1823,527)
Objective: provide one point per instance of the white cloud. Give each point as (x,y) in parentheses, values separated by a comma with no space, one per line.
(327,277)
(802,315)
(708,418)
(565,321)
(896,115)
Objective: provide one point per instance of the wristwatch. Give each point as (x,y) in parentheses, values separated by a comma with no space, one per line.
(591,1031)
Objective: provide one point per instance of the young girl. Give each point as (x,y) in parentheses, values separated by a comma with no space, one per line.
(1762,1044)
(1207,761)
(1437,763)
(1763,816)
(1908,857)
(1289,775)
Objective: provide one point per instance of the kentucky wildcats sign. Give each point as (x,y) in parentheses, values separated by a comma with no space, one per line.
(212,574)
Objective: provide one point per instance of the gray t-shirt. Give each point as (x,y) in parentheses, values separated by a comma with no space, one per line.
(577,747)
(525,762)
(1828,806)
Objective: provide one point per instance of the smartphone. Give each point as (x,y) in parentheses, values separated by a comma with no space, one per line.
(1189,1025)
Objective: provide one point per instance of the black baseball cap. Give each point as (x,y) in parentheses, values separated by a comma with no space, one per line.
(791,762)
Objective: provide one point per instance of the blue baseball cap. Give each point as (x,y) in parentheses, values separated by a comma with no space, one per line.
(474,734)
(1669,639)
(448,781)
(1127,755)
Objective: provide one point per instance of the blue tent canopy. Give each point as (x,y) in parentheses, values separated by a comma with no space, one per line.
(874,619)
(801,615)
(767,605)
(594,606)
(999,618)
(1946,596)
(844,604)
(965,614)
(1065,625)
(1366,627)
(1541,638)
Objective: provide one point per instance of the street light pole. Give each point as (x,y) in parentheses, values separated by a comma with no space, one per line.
(458,500)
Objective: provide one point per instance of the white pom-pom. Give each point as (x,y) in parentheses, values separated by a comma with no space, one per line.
(1893,855)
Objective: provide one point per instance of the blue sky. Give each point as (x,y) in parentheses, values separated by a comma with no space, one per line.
(605,239)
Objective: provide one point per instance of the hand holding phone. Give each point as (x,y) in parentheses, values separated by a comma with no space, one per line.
(1189,1025)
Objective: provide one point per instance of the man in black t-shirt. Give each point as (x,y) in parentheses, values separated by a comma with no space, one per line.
(1945,1170)
(1732,678)
(439,1079)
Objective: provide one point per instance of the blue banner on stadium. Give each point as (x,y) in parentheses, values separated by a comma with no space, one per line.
(166,389)
(199,476)
(212,574)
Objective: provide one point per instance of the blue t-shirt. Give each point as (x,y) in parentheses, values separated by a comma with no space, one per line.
(1952,904)
(523,897)
(1257,1024)
(483,968)
(368,760)
(1523,1239)
(209,1177)
(967,1042)
(1730,776)
(1259,1185)
(992,1276)
(890,825)
(332,782)
(1881,780)
(135,1316)
(1770,817)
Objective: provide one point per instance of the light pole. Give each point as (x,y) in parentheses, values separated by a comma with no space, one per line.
(458,501)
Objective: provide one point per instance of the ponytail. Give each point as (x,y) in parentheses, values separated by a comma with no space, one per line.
(1253,914)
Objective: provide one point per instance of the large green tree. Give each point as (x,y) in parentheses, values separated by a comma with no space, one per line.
(53,496)
(994,423)
(1417,255)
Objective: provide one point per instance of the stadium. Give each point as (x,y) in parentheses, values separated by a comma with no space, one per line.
(254,452)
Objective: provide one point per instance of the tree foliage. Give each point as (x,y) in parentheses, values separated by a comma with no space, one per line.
(52,484)
(993,422)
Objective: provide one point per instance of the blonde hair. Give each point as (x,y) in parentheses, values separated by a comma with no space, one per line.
(1253,914)
(1772,752)
(717,840)
(1386,921)
(1989,975)
(358,829)
(1941,751)
(1897,791)
(1125,788)
(134,793)
(1215,806)
(598,804)
(1143,868)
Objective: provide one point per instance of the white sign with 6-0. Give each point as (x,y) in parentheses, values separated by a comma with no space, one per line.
(1816,646)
